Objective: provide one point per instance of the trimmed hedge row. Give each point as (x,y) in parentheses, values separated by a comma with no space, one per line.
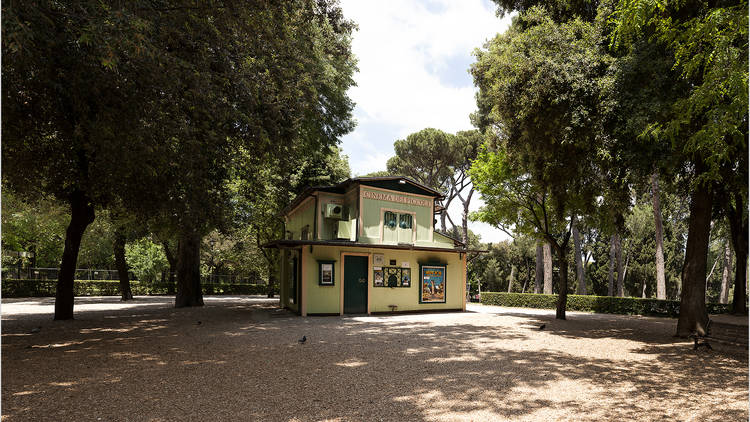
(599,304)
(47,288)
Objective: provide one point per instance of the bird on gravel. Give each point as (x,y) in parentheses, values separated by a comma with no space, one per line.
(36,330)
(541,327)
(302,340)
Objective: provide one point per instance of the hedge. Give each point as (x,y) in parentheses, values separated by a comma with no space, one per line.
(599,304)
(47,288)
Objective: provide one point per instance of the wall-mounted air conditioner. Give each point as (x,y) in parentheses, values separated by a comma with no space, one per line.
(334,211)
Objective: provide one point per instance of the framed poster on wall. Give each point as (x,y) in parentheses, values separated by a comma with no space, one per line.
(326,273)
(432,284)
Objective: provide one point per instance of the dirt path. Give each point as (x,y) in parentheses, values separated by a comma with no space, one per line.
(148,361)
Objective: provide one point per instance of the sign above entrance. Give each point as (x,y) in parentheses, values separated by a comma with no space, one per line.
(383,196)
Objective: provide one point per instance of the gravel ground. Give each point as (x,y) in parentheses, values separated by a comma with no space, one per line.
(237,358)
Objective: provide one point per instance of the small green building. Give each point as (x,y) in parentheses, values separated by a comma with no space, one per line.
(369,245)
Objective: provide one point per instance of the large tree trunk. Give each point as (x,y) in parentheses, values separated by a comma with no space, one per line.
(693,316)
(661,284)
(172,259)
(512,278)
(122,265)
(562,295)
(738,224)
(539,273)
(188,270)
(580,275)
(611,278)
(547,268)
(81,215)
(620,270)
(725,280)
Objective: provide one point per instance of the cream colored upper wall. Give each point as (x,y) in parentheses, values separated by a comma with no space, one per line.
(327,299)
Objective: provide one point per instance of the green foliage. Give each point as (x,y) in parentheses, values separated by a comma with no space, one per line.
(146,260)
(598,304)
(708,44)
(425,156)
(35,226)
(38,288)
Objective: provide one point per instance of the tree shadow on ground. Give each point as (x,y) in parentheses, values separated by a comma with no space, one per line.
(243,361)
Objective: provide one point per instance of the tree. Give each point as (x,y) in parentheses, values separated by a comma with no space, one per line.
(122,127)
(539,96)
(427,157)
(707,124)
(661,284)
(580,275)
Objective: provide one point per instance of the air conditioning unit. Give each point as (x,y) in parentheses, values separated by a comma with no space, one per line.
(334,211)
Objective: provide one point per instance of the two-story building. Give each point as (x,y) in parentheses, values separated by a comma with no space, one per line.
(369,245)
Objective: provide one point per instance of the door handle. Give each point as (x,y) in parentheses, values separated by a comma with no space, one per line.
(362,280)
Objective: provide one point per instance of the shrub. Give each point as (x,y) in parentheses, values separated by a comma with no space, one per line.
(599,304)
(47,288)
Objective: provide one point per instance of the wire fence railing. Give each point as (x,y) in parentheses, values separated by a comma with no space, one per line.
(47,274)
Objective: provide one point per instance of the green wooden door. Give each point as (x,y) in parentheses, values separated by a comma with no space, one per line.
(355,284)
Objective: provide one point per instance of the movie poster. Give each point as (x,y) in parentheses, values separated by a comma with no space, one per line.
(432,284)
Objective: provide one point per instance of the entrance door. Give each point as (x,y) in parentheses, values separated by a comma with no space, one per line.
(355,284)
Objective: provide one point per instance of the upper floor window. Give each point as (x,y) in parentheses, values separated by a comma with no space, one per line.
(405,221)
(390,219)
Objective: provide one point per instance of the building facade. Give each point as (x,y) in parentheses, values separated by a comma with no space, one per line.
(368,245)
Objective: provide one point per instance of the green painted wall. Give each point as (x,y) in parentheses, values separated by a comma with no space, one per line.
(321,299)
(372,213)
(407,298)
(326,299)
(302,216)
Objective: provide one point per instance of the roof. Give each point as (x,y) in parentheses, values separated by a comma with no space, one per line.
(396,183)
(402,246)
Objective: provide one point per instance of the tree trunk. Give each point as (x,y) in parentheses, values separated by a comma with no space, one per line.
(122,265)
(188,270)
(547,268)
(465,217)
(738,225)
(172,265)
(81,215)
(511,278)
(693,316)
(620,271)
(580,275)
(539,273)
(661,284)
(611,279)
(727,264)
(562,297)
(625,272)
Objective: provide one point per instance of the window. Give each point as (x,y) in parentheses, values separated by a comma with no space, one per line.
(405,221)
(389,219)
(392,277)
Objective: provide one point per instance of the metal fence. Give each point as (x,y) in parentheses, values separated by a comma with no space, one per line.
(46,274)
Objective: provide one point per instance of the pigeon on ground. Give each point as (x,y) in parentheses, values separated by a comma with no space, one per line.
(36,330)
(541,327)
(302,340)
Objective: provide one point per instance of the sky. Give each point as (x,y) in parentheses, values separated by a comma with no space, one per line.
(413,60)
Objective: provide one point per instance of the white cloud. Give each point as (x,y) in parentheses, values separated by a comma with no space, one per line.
(402,46)
(413,74)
